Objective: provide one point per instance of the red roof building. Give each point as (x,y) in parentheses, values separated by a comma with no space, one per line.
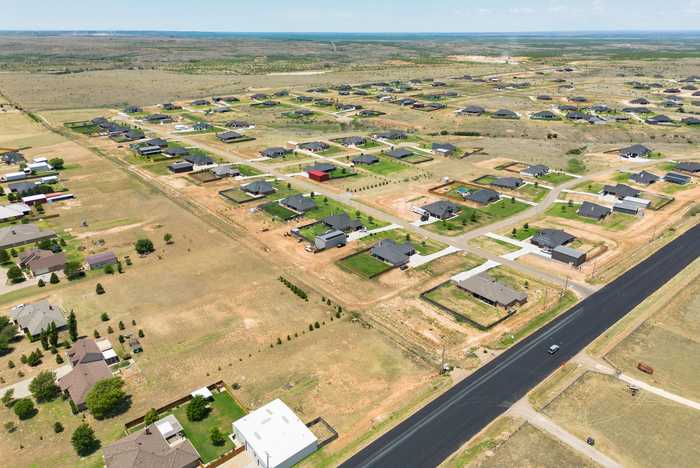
(319,176)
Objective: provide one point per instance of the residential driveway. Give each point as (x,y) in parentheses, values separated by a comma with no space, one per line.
(22,388)
(242,460)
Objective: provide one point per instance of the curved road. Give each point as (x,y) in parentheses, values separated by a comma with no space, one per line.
(439,429)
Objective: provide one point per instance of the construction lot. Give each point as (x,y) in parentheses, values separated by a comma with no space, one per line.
(363,349)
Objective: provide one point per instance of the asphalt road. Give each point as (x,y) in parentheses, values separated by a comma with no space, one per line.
(437,430)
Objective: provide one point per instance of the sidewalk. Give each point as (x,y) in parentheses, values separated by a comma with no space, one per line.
(21,388)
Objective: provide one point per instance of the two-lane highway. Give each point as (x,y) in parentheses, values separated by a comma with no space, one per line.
(437,430)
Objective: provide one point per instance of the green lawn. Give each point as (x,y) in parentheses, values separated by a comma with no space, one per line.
(470,218)
(555,178)
(326,207)
(236,195)
(332,151)
(522,233)
(248,171)
(309,233)
(85,128)
(417,158)
(533,193)
(276,210)
(422,246)
(621,177)
(504,208)
(224,411)
(670,188)
(590,187)
(369,145)
(485,180)
(363,264)
(284,190)
(613,222)
(341,173)
(385,166)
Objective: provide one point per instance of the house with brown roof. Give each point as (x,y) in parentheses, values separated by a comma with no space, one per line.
(89,368)
(100,260)
(42,262)
(161,445)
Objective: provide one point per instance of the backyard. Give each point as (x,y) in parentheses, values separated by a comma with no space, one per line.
(463,303)
(364,265)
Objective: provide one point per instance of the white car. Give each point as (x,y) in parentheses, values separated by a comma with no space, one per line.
(553,349)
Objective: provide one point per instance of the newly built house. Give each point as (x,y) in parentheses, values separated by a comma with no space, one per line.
(392,253)
(593,211)
(493,292)
(442,209)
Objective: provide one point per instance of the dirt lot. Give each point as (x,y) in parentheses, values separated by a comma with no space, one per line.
(644,430)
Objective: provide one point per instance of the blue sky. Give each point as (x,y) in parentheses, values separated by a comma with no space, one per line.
(351,15)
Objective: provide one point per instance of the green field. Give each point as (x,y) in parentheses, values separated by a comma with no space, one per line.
(224,410)
(385,166)
(422,246)
(327,207)
(555,178)
(276,210)
(364,265)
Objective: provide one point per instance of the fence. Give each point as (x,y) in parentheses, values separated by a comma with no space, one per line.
(329,428)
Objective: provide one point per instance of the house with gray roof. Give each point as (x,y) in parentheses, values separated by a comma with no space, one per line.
(299,203)
(399,153)
(391,135)
(199,160)
(568,255)
(548,239)
(482,196)
(593,211)
(314,146)
(675,178)
(225,171)
(321,167)
(493,292)
(229,137)
(688,166)
(544,115)
(365,159)
(472,110)
(505,114)
(176,152)
(536,170)
(35,317)
(510,183)
(275,152)
(635,151)
(342,222)
(620,191)
(259,187)
(392,253)
(442,209)
(660,120)
(22,234)
(101,260)
(163,444)
(644,178)
(353,141)
(444,148)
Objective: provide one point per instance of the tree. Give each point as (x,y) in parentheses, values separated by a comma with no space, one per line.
(99,289)
(72,326)
(121,325)
(43,337)
(56,163)
(106,397)
(59,359)
(8,330)
(53,335)
(144,246)
(43,387)
(140,333)
(10,426)
(73,270)
(34,359)
(54,278)
(24,408)
(104,316)
(84,440)
(40,283)
(151,417)
(217,437)
(8,398)
(57,427)
(96,334)
(110,330)
(109,269)
(197,408)
(168,238)
(4,256)
(14,274)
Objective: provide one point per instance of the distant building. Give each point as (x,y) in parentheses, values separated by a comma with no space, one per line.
(37,316)
(330,239)
(390,252)
(101,260)
(593,211)
(492,292)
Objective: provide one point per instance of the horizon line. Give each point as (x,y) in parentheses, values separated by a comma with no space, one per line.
(572,31)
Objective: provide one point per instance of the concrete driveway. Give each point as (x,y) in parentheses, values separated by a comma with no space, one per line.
(21,388)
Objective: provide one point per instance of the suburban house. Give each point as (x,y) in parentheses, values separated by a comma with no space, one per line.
(675,178)
(504,114)
(22,234)
(274,436)
(330,239)
(537,170)
(691,121)
(568,255)
(89,367)
(688,166)
(391,135)
(158,119)
(12,157)
(229,137)
(147,150)
(321,167)
(225,171)
(640,101)
(163,444)
(314,146)
(199,160)
(101,260)
(544,97)
(444,149)
(369,113)
(548,239)
(544,115)
(299,203)
(259,187)
(510,183)
(176,152)
(593,211)
(353,141)
(42,262)
(132,110)
(472,110)
(32,318)
(620,191)
(169,106)
(399,153)
(238,124)
(644,178)
(181,166)
(442,209)
(635,151)
(365,159)
(492,292)
(660,120)
(275,152)
(342,222)
(626,207)
(259,97)
(199,102)
(482,196)
(390,252)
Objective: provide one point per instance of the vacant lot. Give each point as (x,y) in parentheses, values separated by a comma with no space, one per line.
(644,430)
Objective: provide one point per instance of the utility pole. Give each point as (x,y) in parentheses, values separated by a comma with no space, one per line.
(566,286)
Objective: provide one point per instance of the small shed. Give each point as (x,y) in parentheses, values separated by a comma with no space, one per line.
(568,255)
(204,392)
(319,176)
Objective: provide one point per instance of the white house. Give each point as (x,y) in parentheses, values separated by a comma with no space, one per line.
(274,436)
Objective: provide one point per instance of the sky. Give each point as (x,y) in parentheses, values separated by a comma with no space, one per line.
(351,15)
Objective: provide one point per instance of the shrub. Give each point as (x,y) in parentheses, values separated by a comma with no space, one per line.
(217,437)
(197,409)
(40,283)
(84,440)
(24,408)
(99,289)
(144,246)
(54,278)
(150,417)
(106,397)
(43,387)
